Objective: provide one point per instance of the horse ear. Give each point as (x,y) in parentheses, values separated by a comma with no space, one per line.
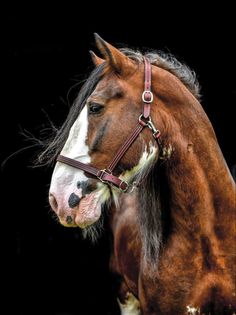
(96,60)
(115,58)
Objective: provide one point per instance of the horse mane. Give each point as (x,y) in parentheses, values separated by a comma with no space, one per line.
(150,216)
(170,63)
(153,208)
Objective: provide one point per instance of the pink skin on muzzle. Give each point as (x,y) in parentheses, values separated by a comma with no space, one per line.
(86,213)
(89,210)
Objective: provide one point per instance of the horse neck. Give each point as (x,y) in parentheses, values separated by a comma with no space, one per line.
(202,191)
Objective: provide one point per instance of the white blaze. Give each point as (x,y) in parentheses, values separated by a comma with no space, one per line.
(74,148)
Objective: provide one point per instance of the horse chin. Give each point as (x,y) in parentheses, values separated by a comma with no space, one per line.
(88,212)
(84,215)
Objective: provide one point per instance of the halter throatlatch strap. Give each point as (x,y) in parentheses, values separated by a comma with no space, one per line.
(144,120)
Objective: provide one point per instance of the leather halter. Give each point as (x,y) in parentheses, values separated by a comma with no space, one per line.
(144,120)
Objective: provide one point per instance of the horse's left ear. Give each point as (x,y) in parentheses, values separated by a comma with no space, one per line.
(115,58)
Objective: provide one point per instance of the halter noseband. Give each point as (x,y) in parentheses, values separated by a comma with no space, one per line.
(144,120)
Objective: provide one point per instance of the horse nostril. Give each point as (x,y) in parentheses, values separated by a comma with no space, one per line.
(78,184)
(53,202)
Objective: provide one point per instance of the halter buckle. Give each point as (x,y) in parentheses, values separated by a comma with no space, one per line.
(100,175)
(147,99)
(123,185)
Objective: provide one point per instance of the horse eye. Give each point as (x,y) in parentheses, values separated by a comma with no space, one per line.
(95,108)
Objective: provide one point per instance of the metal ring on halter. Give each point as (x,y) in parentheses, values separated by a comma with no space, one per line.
(143,121)
(150,100)
(124,189)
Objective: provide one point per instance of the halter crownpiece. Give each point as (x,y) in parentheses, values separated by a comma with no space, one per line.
(144,120)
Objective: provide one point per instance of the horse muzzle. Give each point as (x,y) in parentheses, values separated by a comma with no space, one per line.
(77,210)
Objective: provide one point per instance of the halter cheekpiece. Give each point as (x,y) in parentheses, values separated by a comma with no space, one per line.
(144,120)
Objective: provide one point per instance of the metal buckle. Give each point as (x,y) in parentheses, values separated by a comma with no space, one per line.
(99,176)
(144,97)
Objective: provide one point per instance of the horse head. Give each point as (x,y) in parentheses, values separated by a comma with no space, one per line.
(110,114)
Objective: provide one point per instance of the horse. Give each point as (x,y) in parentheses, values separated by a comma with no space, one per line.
(138,148)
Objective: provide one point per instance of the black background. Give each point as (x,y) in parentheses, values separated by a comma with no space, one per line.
(50,269)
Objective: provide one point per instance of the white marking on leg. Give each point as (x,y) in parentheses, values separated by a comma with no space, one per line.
(131,305)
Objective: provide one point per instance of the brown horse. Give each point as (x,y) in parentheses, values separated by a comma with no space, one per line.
(173,229)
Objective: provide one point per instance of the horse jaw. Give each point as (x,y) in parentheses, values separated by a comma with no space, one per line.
(138,172)
(144,165)
(103,194)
